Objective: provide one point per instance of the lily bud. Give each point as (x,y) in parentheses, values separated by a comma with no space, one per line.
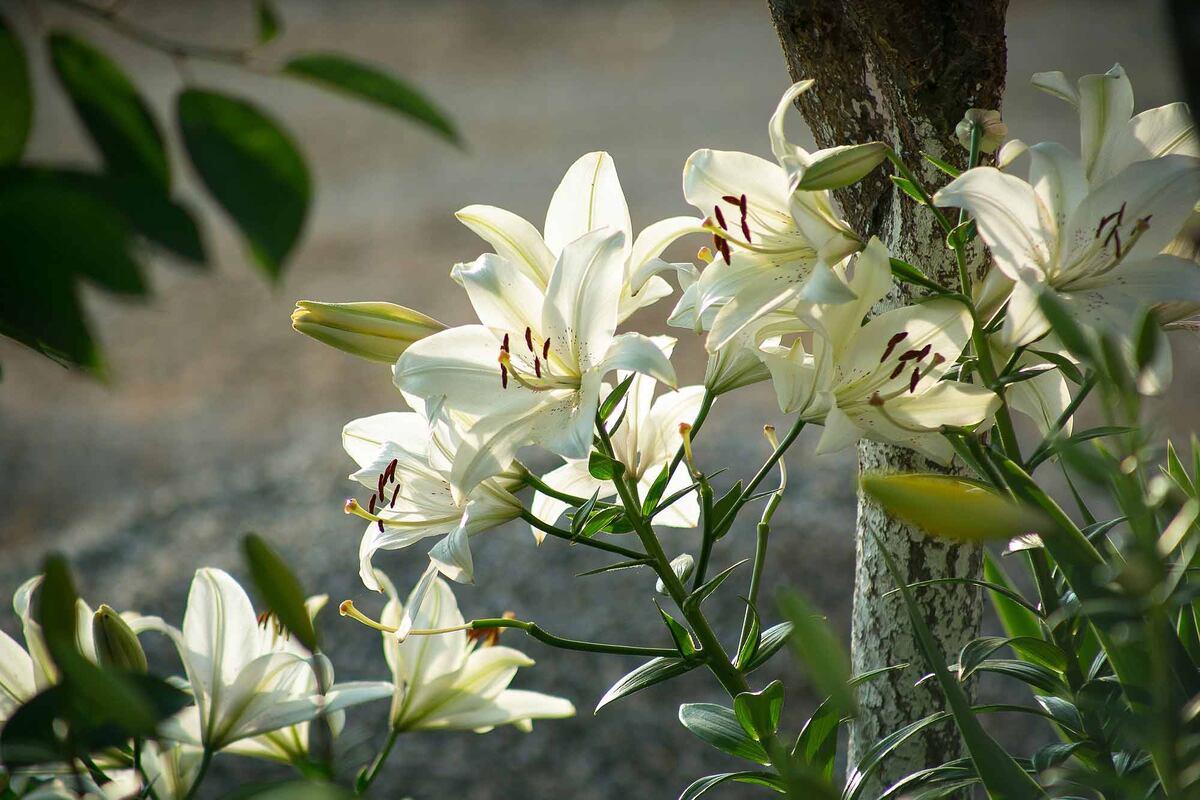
(836,167)
(733,367)
(682,566)
(991,128)
(374,331)
(117,646)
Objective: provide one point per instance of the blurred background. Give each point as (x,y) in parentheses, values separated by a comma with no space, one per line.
(218,419)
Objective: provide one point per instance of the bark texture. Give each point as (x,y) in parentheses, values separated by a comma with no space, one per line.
(903,72)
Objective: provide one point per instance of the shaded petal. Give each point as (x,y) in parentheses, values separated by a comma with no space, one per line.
(840,432)
(1056,83)
(1024,321)
(452,555)
(16,676)
(1043,399)
(942,324)
(944,403)
(1105,106)
(637,353)
(1151,134)
(504,298)
(588,198)
(220,631)
(1057,176)
(710,175)
(658,435)
(393,538)
(362,438)
(513,238)
(655,238)
(684,512)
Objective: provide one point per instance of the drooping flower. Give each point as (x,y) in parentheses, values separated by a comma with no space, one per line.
(532,372)
(646,439)
(247,677)
(406,460)
(882,380)
(447,681)
(778,244)
(588,198)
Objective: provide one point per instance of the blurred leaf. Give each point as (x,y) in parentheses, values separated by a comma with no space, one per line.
(820,650)
(369,83)
(1054,754)
(1062,323)
(953,508)
(251,167)
(269,23)
(719,726)
(16,96)
(702,785)
(817,743)
(758,712)
(656,670)
(111,109)
(1034,675)
(1001,775)
(280,589)
(117,646)
(56,602)
(773,639)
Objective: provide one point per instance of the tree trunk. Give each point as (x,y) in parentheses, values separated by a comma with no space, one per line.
(902,72)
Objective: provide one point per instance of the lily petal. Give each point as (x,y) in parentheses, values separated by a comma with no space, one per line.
(513,238)
(588,198)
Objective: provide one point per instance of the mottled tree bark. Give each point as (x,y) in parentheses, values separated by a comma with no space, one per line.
(902,72)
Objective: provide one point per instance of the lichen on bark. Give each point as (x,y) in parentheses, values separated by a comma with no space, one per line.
(902,72)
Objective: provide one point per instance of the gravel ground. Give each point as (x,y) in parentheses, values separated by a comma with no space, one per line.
(220,420)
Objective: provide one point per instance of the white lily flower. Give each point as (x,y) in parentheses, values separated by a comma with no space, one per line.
(778,245)
(1100,250)
(247,678)
(588,198)
(881,380)
(645,441)
(446,681)
(405,460)
(171,768)
(532,372)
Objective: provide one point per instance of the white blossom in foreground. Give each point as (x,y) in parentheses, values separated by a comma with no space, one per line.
(588,198)
(406,460)
(777,244)
(532,372)
(881,380)
(448,681)
(645,441)
(247,678)
(1100,250)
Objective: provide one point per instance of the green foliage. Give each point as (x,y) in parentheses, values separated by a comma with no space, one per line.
(281,590)
(247,161)
(720,727)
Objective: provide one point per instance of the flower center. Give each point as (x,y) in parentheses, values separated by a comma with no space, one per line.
(531,367)
(922,361)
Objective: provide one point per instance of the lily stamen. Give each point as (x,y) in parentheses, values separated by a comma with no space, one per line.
(347,609)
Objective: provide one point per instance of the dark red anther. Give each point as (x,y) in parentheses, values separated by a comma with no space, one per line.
(891,345)
(371,505)
(743,206)
(1121,213)
(504,346)
(899,368)
(924,351)
(546,349)
(379,522)
(914,380)
(537,366)
(395,492)
(720,217)
(723,246)
(875,399)
(390,472)
(733,201)
(938,358)
(529,339)
(379,486)
(503,377)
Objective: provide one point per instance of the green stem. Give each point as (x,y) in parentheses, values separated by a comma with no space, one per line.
(907,174)
(367,778)
(205,761)
(548,490)
(536,632)
(726,521)
(706,508)
(597,544)
(762,534)
(149,38)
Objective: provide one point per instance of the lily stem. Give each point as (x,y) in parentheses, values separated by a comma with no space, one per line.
(536,632)
(205,762)
(368,777)
(725,522)
(598,544)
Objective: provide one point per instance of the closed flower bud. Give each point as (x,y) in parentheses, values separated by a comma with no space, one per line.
(374,331)
(681,565)
(733,367)
(992,130)
(836,167)
(117,646)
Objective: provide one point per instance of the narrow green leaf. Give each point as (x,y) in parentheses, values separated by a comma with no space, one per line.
(653,671)
(603,468)
(251,167)
(750,644)
(906,272)
(719,726)
(280,589)
(16,96)
(759,712)
(773,639)
(699,595)
(679,634)
(112,111)
(953,508)
(366,82)
(615,397)
(701,786)
(269,23)
(1001,775)
(580,516)
(944,166)
(725,504)
(819,649)
(617,567)
(906,186)
(655,492)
